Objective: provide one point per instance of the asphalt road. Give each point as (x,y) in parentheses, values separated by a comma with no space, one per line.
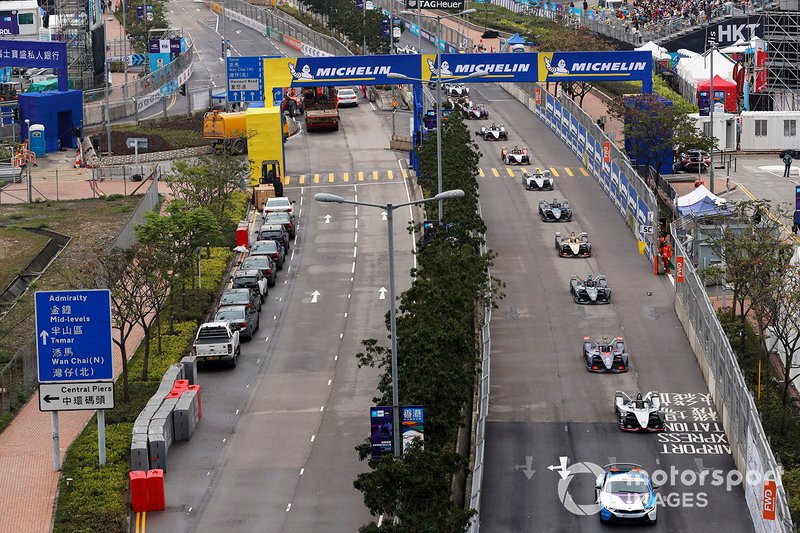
(544,404)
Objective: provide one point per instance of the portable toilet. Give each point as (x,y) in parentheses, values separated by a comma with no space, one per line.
(36,137)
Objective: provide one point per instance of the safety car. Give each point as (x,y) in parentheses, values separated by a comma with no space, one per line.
(626,494)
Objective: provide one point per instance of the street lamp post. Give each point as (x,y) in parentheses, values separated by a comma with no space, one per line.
(389,208)
(713,44)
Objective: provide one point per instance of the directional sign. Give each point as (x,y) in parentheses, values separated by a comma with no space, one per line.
(136,142)
(277,96)
(73,336)
(246,79)
(76,396)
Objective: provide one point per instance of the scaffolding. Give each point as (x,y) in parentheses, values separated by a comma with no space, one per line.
(71,26)
(782,32)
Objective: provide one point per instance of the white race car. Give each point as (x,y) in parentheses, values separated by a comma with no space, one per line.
(495,132)
(456,89)
(540,180)
(642,413)
(515,156)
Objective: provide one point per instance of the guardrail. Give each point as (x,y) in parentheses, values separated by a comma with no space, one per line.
(732,398)
(452,40)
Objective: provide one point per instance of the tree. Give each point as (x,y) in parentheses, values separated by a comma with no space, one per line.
(654,129)
(153,291)
(208,181)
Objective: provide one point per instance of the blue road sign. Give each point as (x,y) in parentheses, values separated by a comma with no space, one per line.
(277,96)
(73,335)
(246,79)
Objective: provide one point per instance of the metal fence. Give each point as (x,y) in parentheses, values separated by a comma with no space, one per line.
(18,377)
(451,37)
(732,398)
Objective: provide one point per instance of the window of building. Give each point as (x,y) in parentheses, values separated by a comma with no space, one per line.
(25,18)
(761,128)
(789,128)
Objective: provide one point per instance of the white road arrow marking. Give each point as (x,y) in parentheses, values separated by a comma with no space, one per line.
(44,336)
(314,296)
(327,219)
(527,468)
(562,469)
(383,215)
(383,292)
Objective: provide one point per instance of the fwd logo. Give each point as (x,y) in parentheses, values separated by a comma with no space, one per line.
(730,33)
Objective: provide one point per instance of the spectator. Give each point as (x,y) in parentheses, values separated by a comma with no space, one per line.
(787,163)
(585,7)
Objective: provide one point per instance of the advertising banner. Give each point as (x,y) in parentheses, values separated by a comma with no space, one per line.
(413,424)
(95,13)
(565,116)
(380,437)
(573,134)
(335,70)
(633,201)
(39,54)
(642,213)
(498,67)
(556,125)
(598,161)
(622,193)
(588,155)
(590,66)
(607,176)
(680,277)
(614,189)
(457,5)
(581,148)
(8,23)
(549,109)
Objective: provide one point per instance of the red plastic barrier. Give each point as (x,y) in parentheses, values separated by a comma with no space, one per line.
(180,385)
(155,490)
(174,394)
(243,236)
(199,401)
(139,500)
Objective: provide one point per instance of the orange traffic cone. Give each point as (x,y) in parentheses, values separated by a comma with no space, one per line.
(78,161)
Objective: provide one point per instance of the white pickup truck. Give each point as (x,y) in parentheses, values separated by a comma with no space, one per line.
(216,341)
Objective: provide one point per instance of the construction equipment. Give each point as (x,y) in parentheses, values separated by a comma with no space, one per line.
(226,130)
(321,108)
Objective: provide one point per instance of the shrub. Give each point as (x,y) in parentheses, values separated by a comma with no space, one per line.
(193,305)
(139,392)
(173,349)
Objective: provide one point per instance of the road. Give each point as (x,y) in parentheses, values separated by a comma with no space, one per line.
(544,404)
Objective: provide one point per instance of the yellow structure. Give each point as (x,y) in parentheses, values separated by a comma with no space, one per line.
(265,142)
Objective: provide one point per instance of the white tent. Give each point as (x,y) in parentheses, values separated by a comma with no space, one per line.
(659,52)
(700,201)
(697,69)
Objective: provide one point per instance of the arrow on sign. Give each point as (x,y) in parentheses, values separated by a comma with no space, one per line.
(314,296)
(327,219)
(44,336)
(49,398)
(383,215)
(383,293)
(527,468)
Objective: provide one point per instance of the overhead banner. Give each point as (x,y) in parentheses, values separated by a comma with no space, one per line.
(457,5)
(498,67)
(39,54)
(339,70)
(596,66)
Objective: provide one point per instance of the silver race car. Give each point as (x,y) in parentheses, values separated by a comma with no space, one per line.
(606,356)
(574,245)
(456,89)
(515,156)
(475,111)
(590,291)
(555,211)
(539,180)
(642,413)
(495,132)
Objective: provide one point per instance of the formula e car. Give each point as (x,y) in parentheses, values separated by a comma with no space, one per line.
(607,356)
(474,111)
(590,291)
(540,180)
(625,493)
(455,89)
(555,211)
(515,156)
(642,413)
(574,245)
(495,132)
(405,49)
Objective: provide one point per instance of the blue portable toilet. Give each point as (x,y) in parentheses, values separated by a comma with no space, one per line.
(36,137)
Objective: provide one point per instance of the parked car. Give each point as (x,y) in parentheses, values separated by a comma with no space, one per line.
(251,279)
(275,232)
(274,249)
(216,341)
(274,205)
(284,219)
(240,297)
(241,317)
(694,161)
(347,97)
(265,264)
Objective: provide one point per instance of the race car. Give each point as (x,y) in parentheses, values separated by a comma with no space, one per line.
(461,103)
(642,413)
(591,290)
(515,156)
(540,180)
(474,111)
(625,493)
(574,245)
(406,49)
(455,89)
(495,132)
(555,211)
(607,356)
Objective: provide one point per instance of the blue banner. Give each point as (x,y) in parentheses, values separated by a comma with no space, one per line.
(598,160)
(556,125)
(549,109)
(588,156)
(581,141)
(498,66)
(565,116)
(606,175)
(641,217)
(573,134)
(381,434)
(334,70)
(39,54)
(633,200)
(622,193)
(590,66)
(614,190)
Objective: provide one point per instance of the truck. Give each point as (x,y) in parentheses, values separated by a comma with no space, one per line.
(216,341)
(226,130)
(321,108)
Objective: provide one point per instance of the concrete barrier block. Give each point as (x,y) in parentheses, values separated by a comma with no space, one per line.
(157,446)
(186,415)
(140,458)
(190,369)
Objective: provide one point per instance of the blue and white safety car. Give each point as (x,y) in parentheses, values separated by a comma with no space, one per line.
(626,493)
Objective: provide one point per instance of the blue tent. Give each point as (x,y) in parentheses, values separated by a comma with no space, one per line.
(516,39)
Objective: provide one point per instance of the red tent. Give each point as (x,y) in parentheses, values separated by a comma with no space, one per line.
(720,84)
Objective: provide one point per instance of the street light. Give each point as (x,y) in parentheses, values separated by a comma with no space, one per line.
(713,44)
(335,198)
(476,74)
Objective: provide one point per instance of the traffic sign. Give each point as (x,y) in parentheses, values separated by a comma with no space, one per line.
(246,79)
(277,96)
(76,396)
(647,230)
(73,336)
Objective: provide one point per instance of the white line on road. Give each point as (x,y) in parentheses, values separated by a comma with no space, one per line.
(356,237)
(354,250)
(329,382)
(313,437)
(353,269)
(372,106)
(302,470)
(280,299)
(321,408)
(237,411)
(335,357)
(224,439)
(288,507)
(356,223)
(341,335)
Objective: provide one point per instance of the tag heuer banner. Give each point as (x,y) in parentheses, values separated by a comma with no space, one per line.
(457,5)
